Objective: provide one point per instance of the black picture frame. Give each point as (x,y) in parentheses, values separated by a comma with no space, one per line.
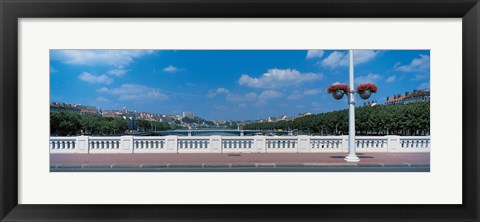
(11,11)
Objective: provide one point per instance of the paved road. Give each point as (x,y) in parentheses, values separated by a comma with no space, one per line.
(271,162)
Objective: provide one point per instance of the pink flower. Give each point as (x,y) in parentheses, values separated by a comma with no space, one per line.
(369,86)
(336,87)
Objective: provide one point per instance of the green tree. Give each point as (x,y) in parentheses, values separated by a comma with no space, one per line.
(64,123)
(408,119)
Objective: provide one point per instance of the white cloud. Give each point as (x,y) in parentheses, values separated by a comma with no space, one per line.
(215,92)
(276,78)
(116,72)
(219,107)
(370,78)
(102,99)
(244,97)
(90,78)
(295,95)
(420,77)
(337,58)
(237,97)
(134,92)
(391,79)
(396,65)
(104,78)
(363,56)
(233,97)
(421,64)
(117,58)
(314,54)
(102,90)
(312,91)
(423,86)
(170,68)
(269,94)
(222,90)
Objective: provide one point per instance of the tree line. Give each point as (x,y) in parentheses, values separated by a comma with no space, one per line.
(405,120)
(149,126)
(197,120)
(65,124)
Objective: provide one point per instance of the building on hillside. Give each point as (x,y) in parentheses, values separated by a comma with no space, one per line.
(131,122)
(416,96)
(131,117)
(190,115)
(304,114)
(370,103)
(112,113)
(73,108)
(147,116)
(124,110)
(87,110)
(62,107)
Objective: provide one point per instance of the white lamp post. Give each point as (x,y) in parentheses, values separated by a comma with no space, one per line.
(364,91)
(352,156)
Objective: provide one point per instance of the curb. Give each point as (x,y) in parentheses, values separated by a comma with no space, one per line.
(238,165)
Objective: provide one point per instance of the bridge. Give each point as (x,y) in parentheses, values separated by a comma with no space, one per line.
(209,132)
(237,144)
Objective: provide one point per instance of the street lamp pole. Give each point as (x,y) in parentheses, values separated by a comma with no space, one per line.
(352,156)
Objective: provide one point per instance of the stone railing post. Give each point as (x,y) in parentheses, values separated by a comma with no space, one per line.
(259,144)
(344,143)
(171,143)
(215,145)
(81,144)
(303,144)
(393,144)
(126,144)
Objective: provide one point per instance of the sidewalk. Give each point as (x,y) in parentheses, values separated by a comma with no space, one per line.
(214,161)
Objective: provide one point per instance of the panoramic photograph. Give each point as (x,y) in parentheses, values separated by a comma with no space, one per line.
(345,110)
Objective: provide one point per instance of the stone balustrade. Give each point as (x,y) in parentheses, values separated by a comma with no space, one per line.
(236,144)
(63,145)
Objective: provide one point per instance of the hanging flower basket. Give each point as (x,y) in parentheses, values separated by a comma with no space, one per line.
(365,94)
(366,90)
(338,90)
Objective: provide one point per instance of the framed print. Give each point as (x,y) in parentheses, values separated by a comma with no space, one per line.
(269,125)
(225,110)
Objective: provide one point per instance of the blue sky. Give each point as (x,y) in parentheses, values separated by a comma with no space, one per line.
(228,84)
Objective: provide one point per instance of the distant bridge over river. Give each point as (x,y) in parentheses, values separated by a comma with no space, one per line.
(211,132)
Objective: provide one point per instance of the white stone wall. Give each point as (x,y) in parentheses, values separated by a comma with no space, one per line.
(237,144)
(365,144)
